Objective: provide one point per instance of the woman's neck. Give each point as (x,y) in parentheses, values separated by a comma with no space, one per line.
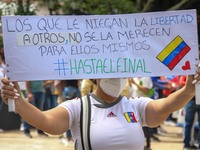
(104,97)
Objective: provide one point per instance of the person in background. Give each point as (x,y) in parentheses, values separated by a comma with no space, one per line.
(159,85)
(23,93)
(115,120)
(59,91)
(127,89)
(50,96)
(173,83)
(143,87)
(2,75)
(35,95)
(2,70)
(70,90)
(191,109)
(88,86)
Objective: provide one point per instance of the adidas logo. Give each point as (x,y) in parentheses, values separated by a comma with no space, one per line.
(111,114)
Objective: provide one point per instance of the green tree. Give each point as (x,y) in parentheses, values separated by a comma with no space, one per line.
(25,8)
(52,5)
(160,5)
(125,6)
(98,7)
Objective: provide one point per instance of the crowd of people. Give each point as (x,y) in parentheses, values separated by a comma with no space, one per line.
(46,95)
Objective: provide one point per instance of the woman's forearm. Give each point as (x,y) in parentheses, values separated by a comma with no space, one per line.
(176,100)
(31,114)
(44,120)
(161,108)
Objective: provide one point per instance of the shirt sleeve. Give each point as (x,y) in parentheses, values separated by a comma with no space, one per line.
(73,107)
(140,104)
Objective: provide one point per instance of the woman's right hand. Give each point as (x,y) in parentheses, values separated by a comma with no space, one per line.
(10,90)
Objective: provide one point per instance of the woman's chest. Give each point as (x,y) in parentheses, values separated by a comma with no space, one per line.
(117,128)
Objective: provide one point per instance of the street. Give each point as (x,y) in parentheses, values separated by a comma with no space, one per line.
(15,140)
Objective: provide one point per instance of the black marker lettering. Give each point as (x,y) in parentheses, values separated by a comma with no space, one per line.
(7,25)
(19,25)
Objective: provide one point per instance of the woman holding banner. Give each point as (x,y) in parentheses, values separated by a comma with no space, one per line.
(114,122)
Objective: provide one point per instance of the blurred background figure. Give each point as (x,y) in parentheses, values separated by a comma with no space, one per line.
(69,90)
(2,70)
(22,85)
(35,95)
(88,86)
(143,87)
(172,86)
(192,120)
(59,91)
(50,95)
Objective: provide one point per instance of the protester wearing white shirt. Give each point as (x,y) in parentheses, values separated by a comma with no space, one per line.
(116,132)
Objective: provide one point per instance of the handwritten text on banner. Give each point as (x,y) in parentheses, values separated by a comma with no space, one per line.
(100,46)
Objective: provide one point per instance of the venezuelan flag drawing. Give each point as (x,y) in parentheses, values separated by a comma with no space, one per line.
(173,52)
(130,117)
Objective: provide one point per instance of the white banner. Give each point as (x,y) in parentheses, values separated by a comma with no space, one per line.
(100,46)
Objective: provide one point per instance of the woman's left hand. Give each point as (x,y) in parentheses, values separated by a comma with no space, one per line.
(192,80)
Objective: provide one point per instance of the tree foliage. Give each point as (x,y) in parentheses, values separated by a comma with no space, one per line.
(86,7)
(124,6)
(80,7)
(25,8)
(160,5)
(18,7)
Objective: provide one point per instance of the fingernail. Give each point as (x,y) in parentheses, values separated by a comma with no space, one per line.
(15,91)
(196,75)
(194,81)
(17,94)
(15,97)
(198,65)
(11,84)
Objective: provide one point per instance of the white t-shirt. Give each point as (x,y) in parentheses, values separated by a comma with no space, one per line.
(116,126)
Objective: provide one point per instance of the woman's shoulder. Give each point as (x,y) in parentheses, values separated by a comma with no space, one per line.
(139,100)
(71,103)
